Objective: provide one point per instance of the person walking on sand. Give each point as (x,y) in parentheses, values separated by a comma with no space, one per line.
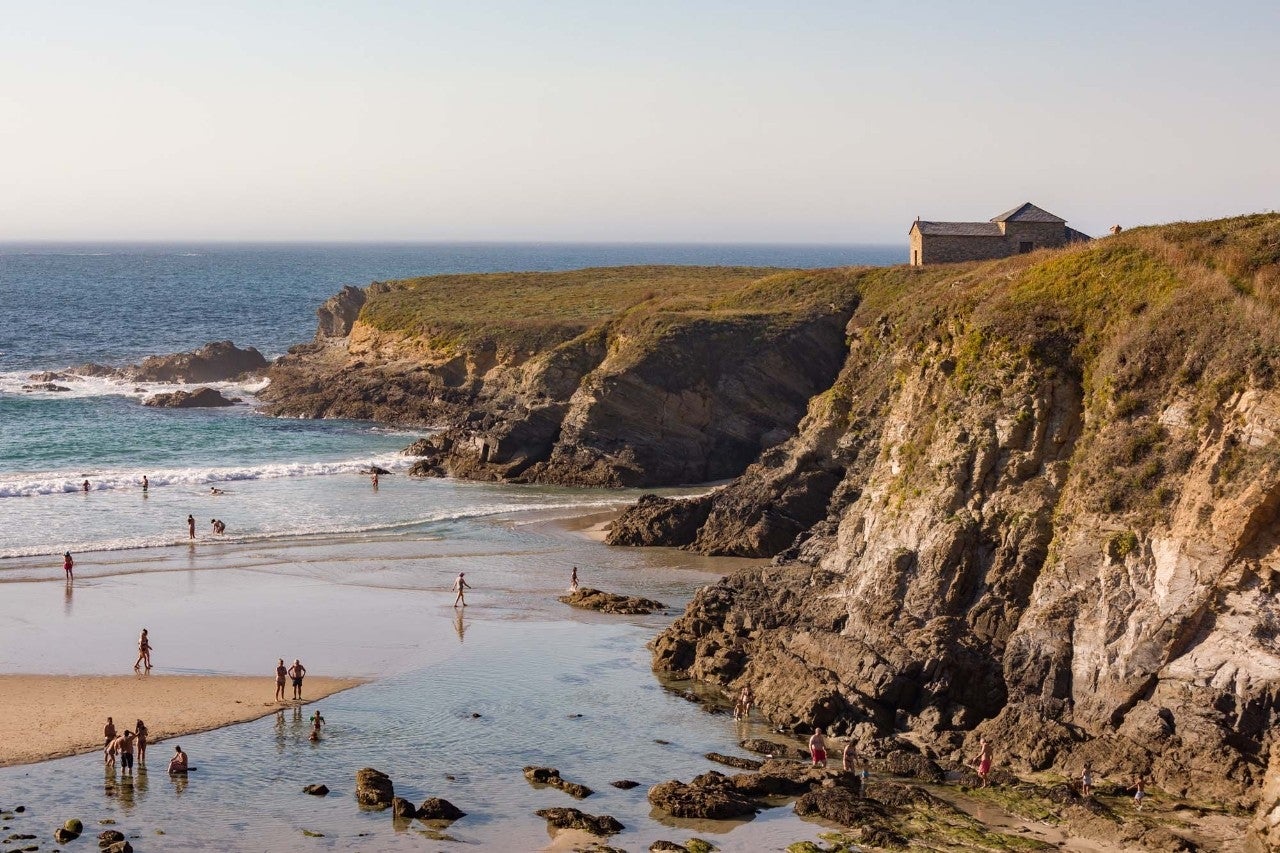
(191,526)
(144,651)
(108,733)
(573,580)
(1086,779)
(179,763)
(818,748)
(983,760)
(281,672)
(67,565)
(297,672)
(140,740)
(460,586)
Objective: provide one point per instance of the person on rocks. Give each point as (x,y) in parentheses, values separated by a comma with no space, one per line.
(460,586)
(297,672)
(281,672)
(847,758)
(746,699)
(179,763)
(983,760)
(818,748)
(191,526)
(140,740)
(573,580)
(1086,779)
(144,652)
(68,565)
(1139,790)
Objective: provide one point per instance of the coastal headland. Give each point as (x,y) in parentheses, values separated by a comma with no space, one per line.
(1030,499)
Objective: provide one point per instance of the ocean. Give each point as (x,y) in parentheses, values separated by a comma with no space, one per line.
(68,304)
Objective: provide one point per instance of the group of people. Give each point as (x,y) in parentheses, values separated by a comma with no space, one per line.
(295,673)
(121,746)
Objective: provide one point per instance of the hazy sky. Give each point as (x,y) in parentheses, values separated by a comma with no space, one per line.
(694,121)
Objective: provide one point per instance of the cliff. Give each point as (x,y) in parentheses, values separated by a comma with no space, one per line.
(1039,503)
(614,377)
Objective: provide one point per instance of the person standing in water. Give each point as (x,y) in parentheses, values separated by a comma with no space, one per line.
(983,760)
(140,738)
(460,586)
(746,699)
(144,651)
(317,723)
(573,580)
(297,672)
(281,672)
(374,479)
(818,749)
(85,486)
(109,733)
(146,484)
(191,526)
(67,565)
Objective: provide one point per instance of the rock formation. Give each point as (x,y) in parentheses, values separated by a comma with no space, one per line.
(374,788)
(215,362)
(435,808)
(564,818)
(551,776)
(611,602)
(201,398)
(1039,503)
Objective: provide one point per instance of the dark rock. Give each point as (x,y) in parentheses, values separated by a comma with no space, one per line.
(667,847)
(109,837)
(734,761)
(564,818)
(551,776)
(436,808)
(608,602)
(62,835)
(777,777)
(654,520)
(213,362)
(840,805)
(772,748)
(316,790)
(374,788)
(201,398)
(910,764)
(120,847)
(402,808)
(74,825)
(710,795)
(625,784)
(45,386)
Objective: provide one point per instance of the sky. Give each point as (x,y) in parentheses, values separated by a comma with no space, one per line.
(693,121)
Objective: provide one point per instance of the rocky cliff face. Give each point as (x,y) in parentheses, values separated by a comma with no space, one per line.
(685,389)
(1039,504)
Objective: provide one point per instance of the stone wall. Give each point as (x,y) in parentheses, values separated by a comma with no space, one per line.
(1042,234)
(940,249)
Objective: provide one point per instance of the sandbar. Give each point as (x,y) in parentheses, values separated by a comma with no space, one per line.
(49,716)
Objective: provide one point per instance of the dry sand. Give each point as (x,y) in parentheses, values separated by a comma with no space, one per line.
(48,716)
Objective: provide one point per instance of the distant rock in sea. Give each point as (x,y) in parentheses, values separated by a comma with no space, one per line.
(201,398)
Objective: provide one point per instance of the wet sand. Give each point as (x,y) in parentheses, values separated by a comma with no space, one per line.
(50,716)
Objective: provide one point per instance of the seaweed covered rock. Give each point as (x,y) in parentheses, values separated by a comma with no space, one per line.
(711,795)
(609,602)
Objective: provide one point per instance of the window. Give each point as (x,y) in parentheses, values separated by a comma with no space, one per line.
(915,257)
(1025,246)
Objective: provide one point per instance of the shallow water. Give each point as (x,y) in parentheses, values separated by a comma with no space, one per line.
(381,606)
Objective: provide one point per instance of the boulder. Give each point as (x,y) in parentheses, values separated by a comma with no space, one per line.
(711,795)
(625,784)
(213,362)
(842,806)
(734,761)
(563,818)
(402,808)
(551,776)
(374,788)
(74,825)
(910,764)
(434,808)
(777,778)
(120,847)
(201,398)
(661,846)
(62,835)
(316,790)
(608,602)
(110,836)
(772,749)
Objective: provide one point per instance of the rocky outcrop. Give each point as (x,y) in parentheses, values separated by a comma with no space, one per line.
(711,795)
(374,788)
(551,776)
(435,808)
(339,312)
(658,394)
(610,602)
(201,398)
(563,818)
(734,761)
(1264,832)
(403,809)
(215,362)
(1038,504)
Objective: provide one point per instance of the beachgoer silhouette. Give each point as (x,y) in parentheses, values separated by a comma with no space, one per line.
(86,487)
(374,478)
(68,564)
(297,672)
(983,760)
(460,586)
(573,580)
(179,763)
(191,527)
(144,651)
(281,672)
(108,733)
(818,749)
(146,484)
(140,738)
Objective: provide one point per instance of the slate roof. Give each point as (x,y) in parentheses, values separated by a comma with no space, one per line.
(1074,236)
(1027,213)
(959,229)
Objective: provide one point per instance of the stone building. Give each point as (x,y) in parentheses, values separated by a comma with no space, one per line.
(1023,229)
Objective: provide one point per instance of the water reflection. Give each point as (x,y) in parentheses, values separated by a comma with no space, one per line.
(459,624)
(67,597)
(180,782)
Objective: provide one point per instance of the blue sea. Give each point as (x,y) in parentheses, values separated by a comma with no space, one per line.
(67,304)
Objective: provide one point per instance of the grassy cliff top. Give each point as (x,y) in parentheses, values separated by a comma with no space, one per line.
(538,310)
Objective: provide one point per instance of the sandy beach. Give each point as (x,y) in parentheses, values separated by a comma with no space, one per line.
(49,716)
